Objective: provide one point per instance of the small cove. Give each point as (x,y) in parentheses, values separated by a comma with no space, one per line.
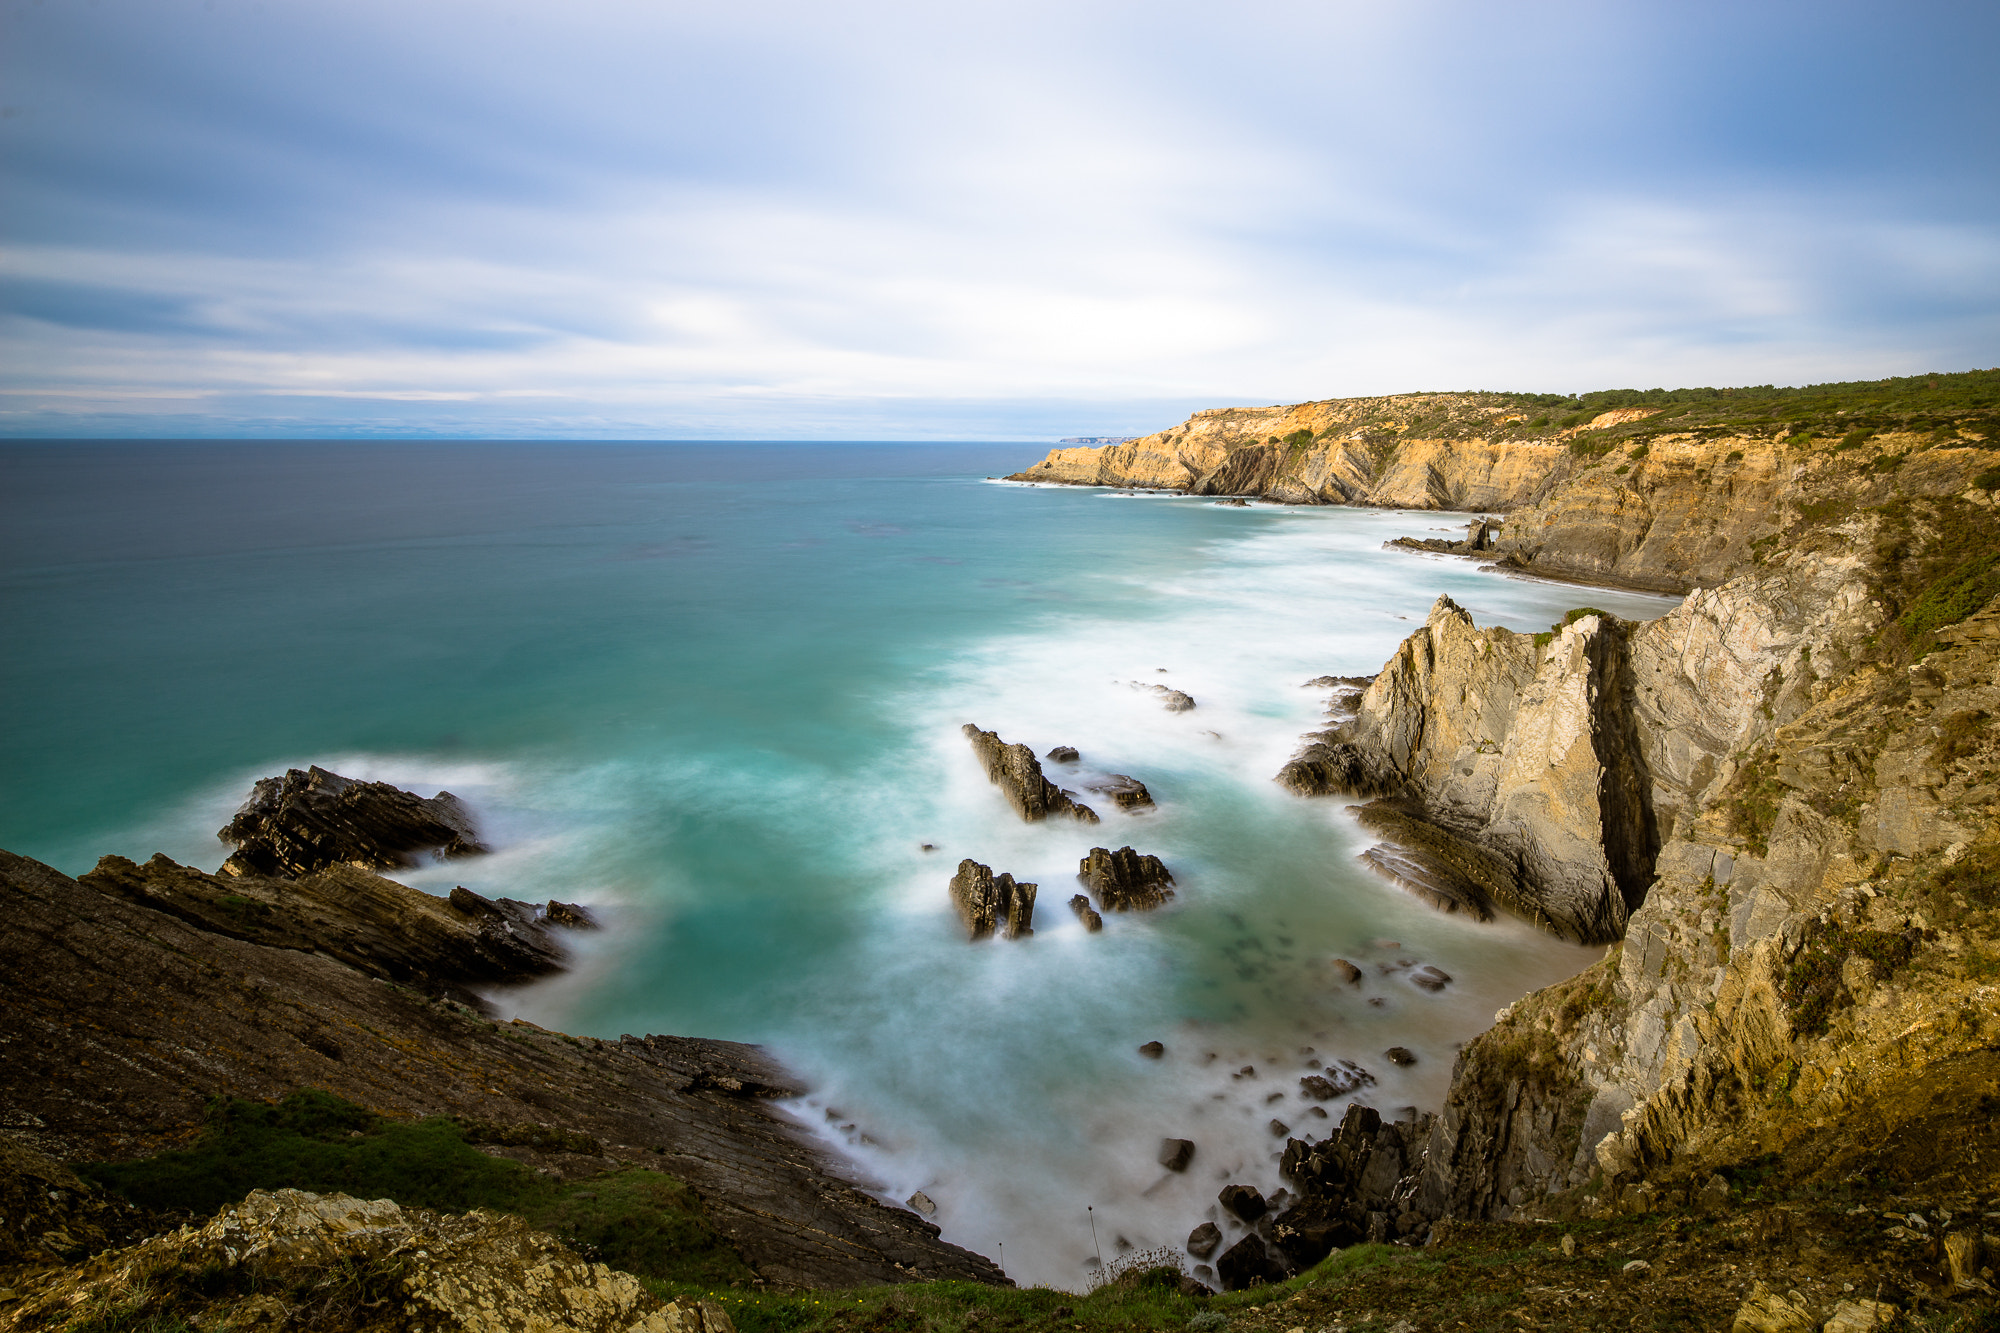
(718,688)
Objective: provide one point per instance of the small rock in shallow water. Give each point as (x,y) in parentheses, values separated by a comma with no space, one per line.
(1125,880)
(1243,1201)
(922,1203)
(1345,971)
(1401,1055)
(1063,754)
(1085,913)
(1127,793)
(1175,1154)
(1430,978)
(1201,1242)
(1279,1129)
(1152,1050)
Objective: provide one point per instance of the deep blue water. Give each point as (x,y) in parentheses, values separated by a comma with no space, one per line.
(716,690)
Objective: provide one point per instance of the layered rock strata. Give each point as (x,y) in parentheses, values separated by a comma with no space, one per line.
(1018,774)
(311,819)
(124,1019)
(1125,880)
(987,902)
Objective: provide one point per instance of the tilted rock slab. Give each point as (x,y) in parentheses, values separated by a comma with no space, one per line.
(1125,880)
(1018,774)
(987,902)
(476,1272)
(310,819)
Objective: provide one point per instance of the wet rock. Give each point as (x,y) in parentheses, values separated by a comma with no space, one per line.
(1125,880)
(1016,772)
(1175,1154)
(1128,793)
(1401,1056)
(923,1203)
(1331,767)
(987,902)
(1432,979)
(1767,1312)
(1201,1242)
(1279,1129)
(1173,700)
(310,819)
(1336,1080)
(1063,754)
(1449,872)
(1346,972)
(1243,1201)
(1153,1050)
(1085,913)
(1248,1263)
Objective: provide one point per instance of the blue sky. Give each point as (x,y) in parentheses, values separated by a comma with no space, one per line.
(615,218)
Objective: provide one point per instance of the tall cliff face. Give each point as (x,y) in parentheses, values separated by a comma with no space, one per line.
(1662,498)
(1783,801)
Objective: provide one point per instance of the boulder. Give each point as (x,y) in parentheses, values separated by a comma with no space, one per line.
(1767,1312)
(1125,880)
(1063,754)
(1431,978)
(923,1203)
(1201,1242)
(1152,1050)
(1313,1229)
(1018,774)
(1175,1154)
(310,819)
(1401,1056)
(1243,1201)
(1279,1129)
(1345,971)
(1127,793)
(987,902)
(1248,1264)
(473,1271)
(1336,1080)
(1085,913)
(1860,1317)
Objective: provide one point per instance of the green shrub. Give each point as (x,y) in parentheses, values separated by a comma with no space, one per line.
(1734,456)
(641,1221)
(1967,588)
(1989,480)
(1886,463)
(1640,452)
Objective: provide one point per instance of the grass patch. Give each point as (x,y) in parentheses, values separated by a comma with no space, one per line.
(642,1221)
(1812,986)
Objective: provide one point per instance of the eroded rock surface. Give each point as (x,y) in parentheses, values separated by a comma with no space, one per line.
(1018,774)
(1125,880)
(1127,793)
(987,902)
(311,819)
(287,1258)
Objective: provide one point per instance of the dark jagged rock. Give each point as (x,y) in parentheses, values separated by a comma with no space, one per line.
(1248,1264)
(50,1215)
(310,819)
(1125,880)
(1336,1080)
(1329,766)
(1451,873)
(1128,793)
(1016,772)
(1367,1177)
(1401,1056)
(1175,1154)
(439,946)
(1063,754)
(1243,1201)
(1348,973)
(113,1053)
(1153,1050)
(987,902)
(1085,913)
(1201,1242)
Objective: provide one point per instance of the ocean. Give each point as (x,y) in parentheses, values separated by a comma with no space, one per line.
(716,690)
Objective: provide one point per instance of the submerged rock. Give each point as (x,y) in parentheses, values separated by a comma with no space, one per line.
(1431,978)
(1128,793)
(1175,1154)
(310,819)
(1063,754)
(1125,880)
(1336,1080)
(987,902)
(1018,774)
(1085,913)
(1401,1056)
(1153,1050)
(1173,700)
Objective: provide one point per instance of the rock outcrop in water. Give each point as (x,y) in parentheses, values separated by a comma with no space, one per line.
(987,902)
(1125,880)
(1018,774)
(1127,793)
(310,819)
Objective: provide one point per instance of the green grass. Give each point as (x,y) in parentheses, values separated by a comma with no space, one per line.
(642,1221)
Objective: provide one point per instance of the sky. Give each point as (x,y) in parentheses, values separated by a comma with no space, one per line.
(1022,220)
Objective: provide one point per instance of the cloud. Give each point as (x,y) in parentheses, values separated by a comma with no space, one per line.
(782,220)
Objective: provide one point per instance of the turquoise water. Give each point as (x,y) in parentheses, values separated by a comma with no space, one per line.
(716,690)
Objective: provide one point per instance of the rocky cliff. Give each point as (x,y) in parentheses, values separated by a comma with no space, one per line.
(1679,493)
(1781,803)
